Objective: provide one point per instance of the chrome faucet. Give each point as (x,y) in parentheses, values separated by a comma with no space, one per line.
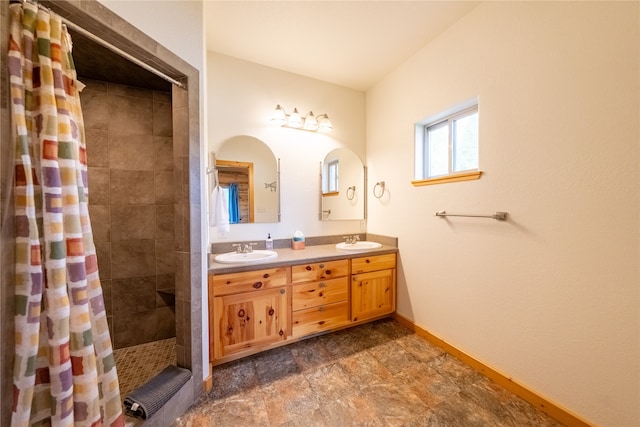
(244,248)
(351,240)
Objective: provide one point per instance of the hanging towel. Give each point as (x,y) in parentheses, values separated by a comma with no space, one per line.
(219,211)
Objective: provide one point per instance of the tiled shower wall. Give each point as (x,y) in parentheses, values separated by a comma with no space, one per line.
(131,200)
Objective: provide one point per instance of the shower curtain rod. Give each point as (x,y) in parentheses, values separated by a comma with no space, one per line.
(106,44)
(120,52)
(109,46)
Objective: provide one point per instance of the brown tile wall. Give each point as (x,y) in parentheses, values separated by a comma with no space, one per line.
(129,134)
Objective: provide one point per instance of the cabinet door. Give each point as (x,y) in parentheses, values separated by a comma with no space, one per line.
(248,320)
(372,294)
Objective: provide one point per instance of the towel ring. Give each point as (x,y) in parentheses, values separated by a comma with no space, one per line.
(381,191)
(351,192)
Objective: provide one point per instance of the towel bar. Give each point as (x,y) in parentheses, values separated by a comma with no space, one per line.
(500,216)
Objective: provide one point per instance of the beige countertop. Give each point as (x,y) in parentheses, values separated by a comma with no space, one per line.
(287,257)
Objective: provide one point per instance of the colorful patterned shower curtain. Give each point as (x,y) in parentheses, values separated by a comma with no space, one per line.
(64,370)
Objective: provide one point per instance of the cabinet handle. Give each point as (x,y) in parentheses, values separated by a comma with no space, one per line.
(241,312)
(328,272)
(322,285)
(257,285)
(367,261)
(321,265)
(281,333)
(282,291)
(308,268)
(321,322)
(266,275)
(271,311)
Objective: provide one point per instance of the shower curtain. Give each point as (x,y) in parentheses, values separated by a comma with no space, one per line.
(234,204)
(64,370)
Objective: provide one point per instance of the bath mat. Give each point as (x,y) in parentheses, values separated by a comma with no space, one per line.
(147,399)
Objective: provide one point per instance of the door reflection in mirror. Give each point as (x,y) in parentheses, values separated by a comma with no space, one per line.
(241,162)
(236,178)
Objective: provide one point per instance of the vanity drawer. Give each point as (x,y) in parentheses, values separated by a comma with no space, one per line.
(373,263)
(248,281)
(320,319)
(319,271)
(318,293)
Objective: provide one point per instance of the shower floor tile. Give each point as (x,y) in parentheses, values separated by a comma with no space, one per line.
(377,374)
(139,363)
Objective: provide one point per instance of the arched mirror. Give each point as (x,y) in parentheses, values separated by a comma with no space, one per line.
(250,173)
(343,184)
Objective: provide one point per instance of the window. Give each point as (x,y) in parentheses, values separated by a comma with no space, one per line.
(447,147)
(332,177)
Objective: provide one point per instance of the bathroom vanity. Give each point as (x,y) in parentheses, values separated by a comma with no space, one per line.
(299,294)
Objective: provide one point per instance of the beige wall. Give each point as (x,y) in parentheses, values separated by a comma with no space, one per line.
(242,97)
(549,298)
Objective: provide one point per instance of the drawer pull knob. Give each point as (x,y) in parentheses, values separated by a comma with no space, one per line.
(367,261)
(241,313)
(321,309)
(281,333)
(321,265)
(328,272)
(271,311)
(266,275)
(322,285)
(321,322)
(308,268)
(282,291)
(257,285)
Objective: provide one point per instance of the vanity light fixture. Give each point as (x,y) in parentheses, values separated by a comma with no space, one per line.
(294,120)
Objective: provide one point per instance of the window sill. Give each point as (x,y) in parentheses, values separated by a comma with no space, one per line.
(465,176)
(330,194)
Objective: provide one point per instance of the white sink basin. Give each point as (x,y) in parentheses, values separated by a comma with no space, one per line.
(358,246)
(257,255)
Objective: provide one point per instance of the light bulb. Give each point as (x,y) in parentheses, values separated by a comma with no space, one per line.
(310,122)
(325,124)
(295,121)
(279,117)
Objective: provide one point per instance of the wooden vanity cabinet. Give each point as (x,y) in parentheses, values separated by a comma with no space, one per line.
(253,311)
(250,310)
(373,281)
(320,297)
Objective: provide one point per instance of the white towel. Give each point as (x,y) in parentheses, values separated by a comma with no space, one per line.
(219,210)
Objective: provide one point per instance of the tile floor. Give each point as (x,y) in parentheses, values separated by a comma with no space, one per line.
(138,364)
(378,374)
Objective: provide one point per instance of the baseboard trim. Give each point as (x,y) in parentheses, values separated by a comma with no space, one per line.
(208,382)
(556,411)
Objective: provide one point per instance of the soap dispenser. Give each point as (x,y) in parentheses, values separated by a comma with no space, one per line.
(268,243)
